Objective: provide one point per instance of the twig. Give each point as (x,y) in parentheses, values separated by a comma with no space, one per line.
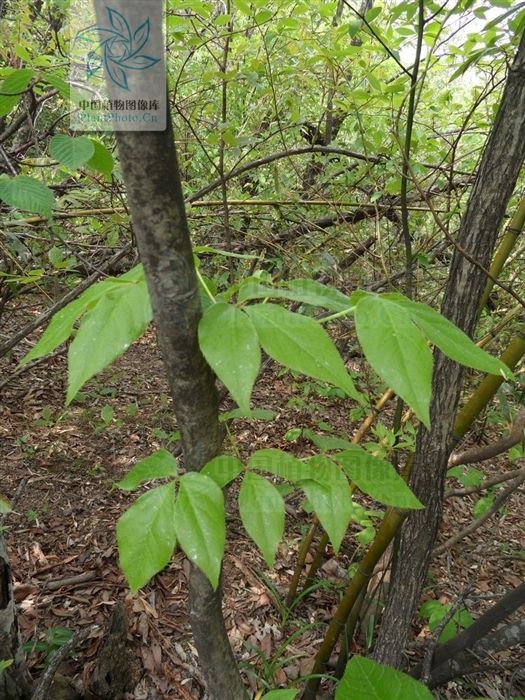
(73,294)
(69,581)
(41,691)
(29,366)
(279,156)
(503,638)
(479,454)
(426,666)
(493,481)
(504,495)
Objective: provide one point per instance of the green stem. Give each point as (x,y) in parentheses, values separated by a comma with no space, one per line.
(385,534)
(205,286)
(513,230)
(488,387)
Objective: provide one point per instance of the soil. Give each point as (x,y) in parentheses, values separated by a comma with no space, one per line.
(59,466)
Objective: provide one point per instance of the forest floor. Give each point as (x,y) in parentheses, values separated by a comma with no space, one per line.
(59,465)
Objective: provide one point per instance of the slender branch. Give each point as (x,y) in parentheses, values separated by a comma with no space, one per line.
(475,524)
(497,479)
(483,452)
(279,156)
(508,604)
(406,152)
(41,691)
(505,637)
(376,36)
(64,301)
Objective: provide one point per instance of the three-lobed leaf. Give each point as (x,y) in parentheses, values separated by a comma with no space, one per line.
(146,535)
(200,523)
(261,507)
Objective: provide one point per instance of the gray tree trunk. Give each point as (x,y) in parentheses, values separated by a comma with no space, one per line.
(151,176)
(15,681)
(500,166)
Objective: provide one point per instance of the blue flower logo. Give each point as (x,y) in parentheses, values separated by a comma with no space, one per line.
(116,47)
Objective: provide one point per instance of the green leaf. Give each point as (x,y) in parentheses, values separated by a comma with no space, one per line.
(254,414)
(301,344)
(71,151)
(303,290)
(107,330)
(60,84)
(61,325)
(280,464)
(286,694)
(5,663)
(326,443)
(330,497)
(261,508)
(5,506)
(159,465)
(24,192)
(12,87)
(483,505)
(450,339)
(101,160)
(58,331)
(223,469)
(230,345)
(365,679)
(377,478)
(146,535)
(200,523)
(397,350)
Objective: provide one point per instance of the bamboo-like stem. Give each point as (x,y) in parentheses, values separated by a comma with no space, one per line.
(385,534)
(358,436)
(301,560)
(512,231)
(393,518)
(348,634)
(488,387)
(503,323)
(198,204)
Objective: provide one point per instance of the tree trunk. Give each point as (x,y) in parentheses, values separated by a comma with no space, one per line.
(151,176)
(15,681)
(496,178)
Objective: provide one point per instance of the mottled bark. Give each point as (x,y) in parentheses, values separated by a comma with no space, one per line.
(500,166)
(15,682)
(151,176)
